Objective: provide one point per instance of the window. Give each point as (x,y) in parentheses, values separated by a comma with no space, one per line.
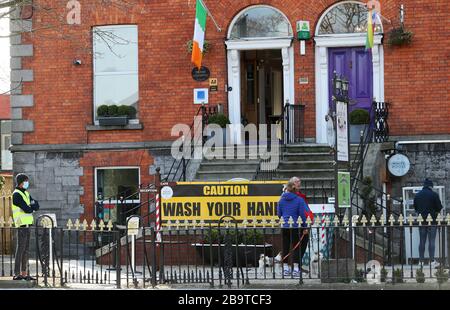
(116,78)
(261,21)
(6,153)
(113,183)
(348,17)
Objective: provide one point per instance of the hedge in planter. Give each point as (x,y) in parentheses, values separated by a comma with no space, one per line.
(219,119)
(114,115)
(359,118)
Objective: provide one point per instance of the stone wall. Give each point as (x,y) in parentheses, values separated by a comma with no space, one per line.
(431,160)
(54,181)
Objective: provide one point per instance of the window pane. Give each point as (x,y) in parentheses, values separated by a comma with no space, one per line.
(346,18)
(261,22)
(115,49)
(115,182)
(122,89)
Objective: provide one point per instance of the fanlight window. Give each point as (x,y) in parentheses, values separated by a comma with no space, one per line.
(261,22)
(346,18)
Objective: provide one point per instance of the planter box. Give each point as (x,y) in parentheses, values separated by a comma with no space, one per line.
(355,133)
(247,255)
(113,121)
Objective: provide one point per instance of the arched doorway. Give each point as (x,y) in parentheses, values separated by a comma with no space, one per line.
(340,45)
(260,66)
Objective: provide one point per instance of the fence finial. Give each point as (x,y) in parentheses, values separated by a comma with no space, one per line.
(202,223)
(245,223)
(382,221)
(77,224)
(2,222)
(391,220)
(308,221)
(401,220)
(447,219)
(273,222)
(282,222)
(69,224)
(420,219)
(290,221)
(93,224)
(10,222)
(439,219)
(429,219)
(109,225)
(327,220)
(255,222)
(177,224)
(85,224)
(101,225)
(373,220)
(336,221)
(345,221)
(363,220)
(410,220)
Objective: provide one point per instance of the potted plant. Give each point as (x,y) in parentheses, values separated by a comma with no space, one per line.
(400,36)
(359,118)
(441,275)
(397,277)
(420,276)
(383,274)
(247,244)
(113,115)
(222,121)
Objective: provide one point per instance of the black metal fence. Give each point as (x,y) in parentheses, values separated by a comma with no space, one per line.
(230,254)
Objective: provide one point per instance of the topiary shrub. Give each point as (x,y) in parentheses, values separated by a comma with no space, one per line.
(420,276)
(220,119)
(102,110)
(359,117)
(441,275)
(113,110)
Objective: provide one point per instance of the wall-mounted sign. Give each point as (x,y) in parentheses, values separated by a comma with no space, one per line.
(209,201)
(132,226)
(201,96)
(304,80)
(213,85)
(398,165)
(344,189)
(200,75)
(303,30)
(342,132)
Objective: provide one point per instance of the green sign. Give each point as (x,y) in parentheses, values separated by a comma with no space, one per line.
(303,30)
(344,190)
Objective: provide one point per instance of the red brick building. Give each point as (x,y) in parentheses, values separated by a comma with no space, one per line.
(61,75)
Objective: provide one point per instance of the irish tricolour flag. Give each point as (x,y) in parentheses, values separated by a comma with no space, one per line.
(199,33)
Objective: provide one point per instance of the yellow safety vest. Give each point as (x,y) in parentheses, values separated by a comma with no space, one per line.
(19,216)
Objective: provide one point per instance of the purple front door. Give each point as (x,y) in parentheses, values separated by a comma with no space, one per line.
(356,65)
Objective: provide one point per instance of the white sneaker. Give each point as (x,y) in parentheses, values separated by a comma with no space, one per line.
(296,273)
(434,264)
(287,272)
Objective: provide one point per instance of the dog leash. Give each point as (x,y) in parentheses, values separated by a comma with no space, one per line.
(293,249)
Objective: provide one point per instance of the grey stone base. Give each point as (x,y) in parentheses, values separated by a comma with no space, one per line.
(335,271)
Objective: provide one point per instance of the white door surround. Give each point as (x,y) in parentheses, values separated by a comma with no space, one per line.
(322,74)
(234,75)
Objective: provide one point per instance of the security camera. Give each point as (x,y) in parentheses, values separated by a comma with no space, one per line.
(77,62)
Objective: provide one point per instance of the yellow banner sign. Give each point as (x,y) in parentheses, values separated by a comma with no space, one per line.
(210,201)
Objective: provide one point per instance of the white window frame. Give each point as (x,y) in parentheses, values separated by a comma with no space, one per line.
(3,148)
(131,121)
(117,168)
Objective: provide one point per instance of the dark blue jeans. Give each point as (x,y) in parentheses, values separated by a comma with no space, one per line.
(430,233)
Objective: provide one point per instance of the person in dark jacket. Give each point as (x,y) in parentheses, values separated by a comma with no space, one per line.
(427,202)
(293,207)
(23,207)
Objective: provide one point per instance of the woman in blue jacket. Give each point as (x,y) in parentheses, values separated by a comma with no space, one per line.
(291,205)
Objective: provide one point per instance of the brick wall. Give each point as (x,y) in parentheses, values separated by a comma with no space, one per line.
(416,76)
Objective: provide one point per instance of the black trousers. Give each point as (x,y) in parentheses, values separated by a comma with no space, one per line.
(22,250)
(291,237)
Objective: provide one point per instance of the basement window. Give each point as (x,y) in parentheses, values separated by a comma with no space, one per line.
(118,189)
(116,73)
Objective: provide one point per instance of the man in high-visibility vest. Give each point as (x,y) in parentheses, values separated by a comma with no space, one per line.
(23,207)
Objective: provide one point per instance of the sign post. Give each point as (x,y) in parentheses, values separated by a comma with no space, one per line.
(132,231)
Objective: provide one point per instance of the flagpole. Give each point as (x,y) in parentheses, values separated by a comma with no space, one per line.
(212,17)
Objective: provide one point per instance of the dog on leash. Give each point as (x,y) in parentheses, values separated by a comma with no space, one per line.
(316,261)
(266,261)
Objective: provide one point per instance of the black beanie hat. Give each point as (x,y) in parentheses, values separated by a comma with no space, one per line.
(20,178)
(428,183)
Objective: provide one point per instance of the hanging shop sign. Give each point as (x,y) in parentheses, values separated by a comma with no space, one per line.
(201,74)
(209,201)
(399,165)
(342,132)
(344,189)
